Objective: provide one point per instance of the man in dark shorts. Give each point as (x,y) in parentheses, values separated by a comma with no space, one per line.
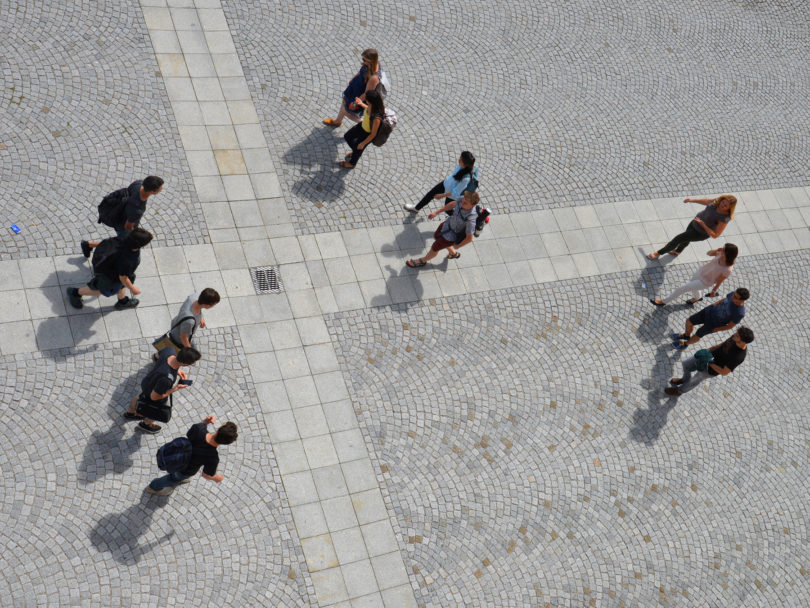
(727,357)
(720,316)
(118,275)
(203,455)
(158,385)
(462,222)
(133,205)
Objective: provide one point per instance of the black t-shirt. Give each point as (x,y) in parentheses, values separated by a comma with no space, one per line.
(133,205)
(162,376)
(729,355)
(126,262)
(203,454)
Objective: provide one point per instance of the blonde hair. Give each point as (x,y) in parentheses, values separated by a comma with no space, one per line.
(732,200)
(472,196)
(374,58)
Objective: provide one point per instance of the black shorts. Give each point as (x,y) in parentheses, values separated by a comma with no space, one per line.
(701,318)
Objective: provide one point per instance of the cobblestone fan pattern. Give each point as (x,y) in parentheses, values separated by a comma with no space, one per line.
(563,103)
(79,528)
(84,112)
(530,457)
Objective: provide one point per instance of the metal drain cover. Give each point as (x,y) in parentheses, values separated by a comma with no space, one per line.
(266,279)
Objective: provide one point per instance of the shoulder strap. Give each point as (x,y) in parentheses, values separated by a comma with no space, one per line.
(180,322)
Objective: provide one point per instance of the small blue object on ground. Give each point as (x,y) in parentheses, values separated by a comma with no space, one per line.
(15,228)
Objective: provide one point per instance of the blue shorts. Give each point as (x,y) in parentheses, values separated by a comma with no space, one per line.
(701,318)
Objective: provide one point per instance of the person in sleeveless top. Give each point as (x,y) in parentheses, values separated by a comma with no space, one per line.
(361,135)
(711,274)
(367,79)
(708,223)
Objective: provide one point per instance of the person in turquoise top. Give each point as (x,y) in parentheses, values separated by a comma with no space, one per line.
(453,187)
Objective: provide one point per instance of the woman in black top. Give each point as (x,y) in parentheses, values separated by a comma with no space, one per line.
(708,223)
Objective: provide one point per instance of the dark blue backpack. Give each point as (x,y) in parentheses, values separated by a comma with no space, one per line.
(174,456)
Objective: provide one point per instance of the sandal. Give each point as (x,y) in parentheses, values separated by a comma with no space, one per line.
(331,122)
(131,416)
(656,303)
(346,165)
(149,428)
(453,256)
(653,256)
(415,263)
(692,301)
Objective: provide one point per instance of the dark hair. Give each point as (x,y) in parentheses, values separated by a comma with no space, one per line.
(730,252)
(152,183)
(468,163)
(226,434)
(375,103)
(743,293)
(138,238)
(208,297)
(188,355)
(746,335)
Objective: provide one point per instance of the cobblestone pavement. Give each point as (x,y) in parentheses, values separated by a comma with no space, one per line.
(79,529)
(563,103)
(530,457)
(84,112)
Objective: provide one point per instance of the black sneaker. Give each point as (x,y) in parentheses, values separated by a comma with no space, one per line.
(85,248)
(74,298)
(126,302)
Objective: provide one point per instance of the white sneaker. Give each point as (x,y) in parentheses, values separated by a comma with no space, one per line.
(411,208)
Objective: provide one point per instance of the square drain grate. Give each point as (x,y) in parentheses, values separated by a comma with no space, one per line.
(266,279)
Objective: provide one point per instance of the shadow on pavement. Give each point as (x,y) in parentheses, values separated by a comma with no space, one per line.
(107,452)
(319,177)
(647,424)
(119,533)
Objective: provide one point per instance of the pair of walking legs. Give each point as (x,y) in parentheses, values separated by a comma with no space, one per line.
(353,137)
(680,242)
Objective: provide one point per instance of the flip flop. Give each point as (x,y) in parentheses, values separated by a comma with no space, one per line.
(656,303)
(454,256)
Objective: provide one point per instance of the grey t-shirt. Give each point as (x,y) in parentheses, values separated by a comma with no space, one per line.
(462,221)
(711,217)
(188,326)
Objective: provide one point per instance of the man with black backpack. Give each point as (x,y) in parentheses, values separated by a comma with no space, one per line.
(123,209)
(158,386)
(455,232)
(114,264)
(181,458)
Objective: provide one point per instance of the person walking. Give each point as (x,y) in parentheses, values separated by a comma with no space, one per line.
(726,358)
(455,232)
(453,186)
(720,316)
(361,135)
(709,275)
(188,319)
(711,222)
(126,208)
(203,455)
(367,79)
(158,386)
(114,272)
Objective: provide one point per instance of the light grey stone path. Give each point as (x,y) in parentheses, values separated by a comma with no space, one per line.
(483,432)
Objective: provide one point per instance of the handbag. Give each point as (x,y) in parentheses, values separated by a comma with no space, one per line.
(702,359)
(155,410)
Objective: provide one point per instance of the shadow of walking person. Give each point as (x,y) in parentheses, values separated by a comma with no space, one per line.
(318,177)
(647,424)
(119,533)
(107,452)
(402,290)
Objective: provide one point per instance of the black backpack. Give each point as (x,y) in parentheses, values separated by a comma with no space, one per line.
(387,124)
(111,208)
(174,456)
(104,256)
(482,219)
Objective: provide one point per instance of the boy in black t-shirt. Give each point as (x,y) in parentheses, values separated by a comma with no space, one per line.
(727,357)
(203,455)
(158,385)
(121,273)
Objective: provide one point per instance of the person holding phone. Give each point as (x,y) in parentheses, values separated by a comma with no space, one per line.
(159,385)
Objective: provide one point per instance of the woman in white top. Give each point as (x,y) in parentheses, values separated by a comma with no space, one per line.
(711,274)
(453,187)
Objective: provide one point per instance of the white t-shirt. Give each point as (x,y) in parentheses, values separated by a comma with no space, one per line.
(712,272)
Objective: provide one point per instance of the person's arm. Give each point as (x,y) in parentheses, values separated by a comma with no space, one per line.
(125,281)
(702,201)
(467,240)
(723,371)
(155,396)
(712,252)
(712,233)
(375,126)
(447,207)
(184,340)
(371,84)
(218,478)
(129,225)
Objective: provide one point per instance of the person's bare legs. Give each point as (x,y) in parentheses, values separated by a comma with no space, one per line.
(342,113)
(86,291)
(429,255)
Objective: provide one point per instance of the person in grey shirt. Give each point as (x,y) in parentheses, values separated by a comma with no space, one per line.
(188,319)
(455,232)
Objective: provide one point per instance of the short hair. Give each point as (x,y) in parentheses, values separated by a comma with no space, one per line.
(138,238)
(746,335)
(226,434)
(743,293)
(473,196)
(208,297)
(188,355)
(151,183)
